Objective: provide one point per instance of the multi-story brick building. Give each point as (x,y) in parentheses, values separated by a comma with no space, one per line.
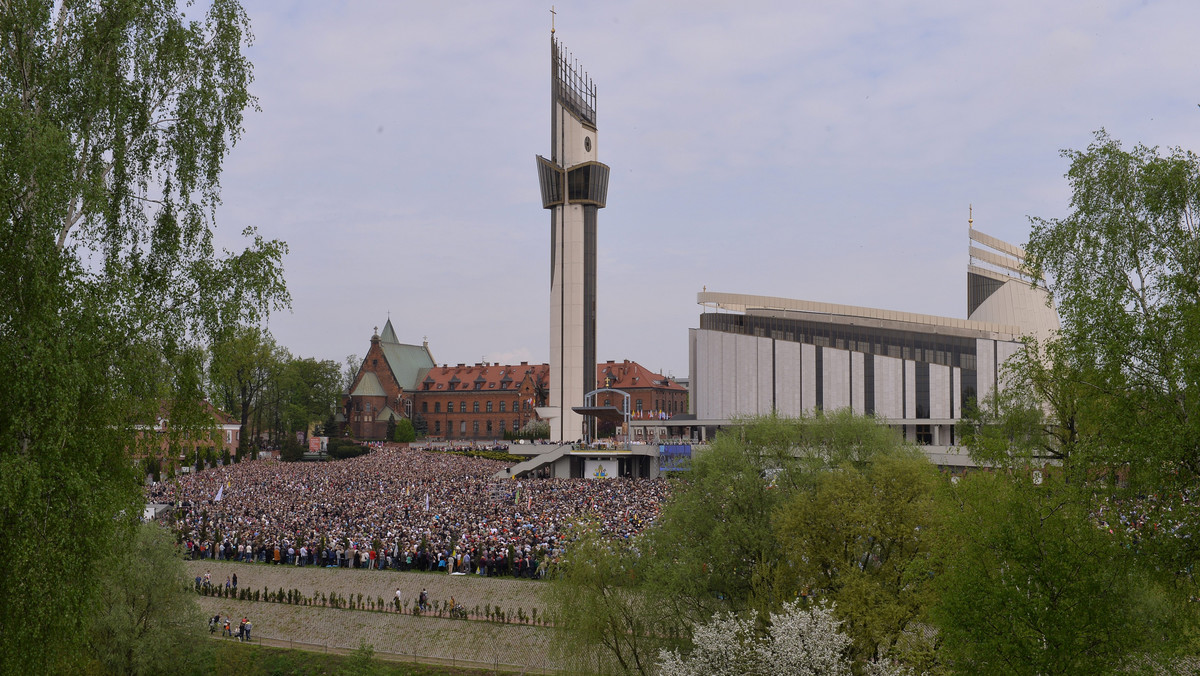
(177,447)
(483,401)
(651,395)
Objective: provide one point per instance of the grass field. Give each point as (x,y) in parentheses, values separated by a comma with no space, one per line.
(258,660)
(470,643)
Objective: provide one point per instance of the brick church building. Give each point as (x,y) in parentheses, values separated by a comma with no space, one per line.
(483,401)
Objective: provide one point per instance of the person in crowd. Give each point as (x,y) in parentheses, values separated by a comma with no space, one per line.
(428,507)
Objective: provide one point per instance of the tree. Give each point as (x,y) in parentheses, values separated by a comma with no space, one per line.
(1124,269)
(404,432)
(1032,585)
(420,426)
(310,391)
(719,545)
(244,362)
(834,503)
(612,621)
(146,620)
(361,662)
(800,640)
(115,118)
(863,537)
(1042,415)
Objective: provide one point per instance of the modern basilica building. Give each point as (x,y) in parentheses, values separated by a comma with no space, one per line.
(754,354)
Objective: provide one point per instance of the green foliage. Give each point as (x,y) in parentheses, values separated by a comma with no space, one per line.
(863,537)
(361,662)
(1031,585)
(234,657)
(1045,413)
(600,597)
(718,542)
(245,359)
(420,426)
(835,506)
(146,620)
(291,450)
(1124,266)
(114,122)
(341,449)
(404,432)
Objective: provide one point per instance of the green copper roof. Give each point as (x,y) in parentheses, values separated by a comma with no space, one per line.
(368,386)
(407,362)
(389,334)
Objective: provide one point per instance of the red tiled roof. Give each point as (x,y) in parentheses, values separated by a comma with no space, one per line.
(482,377)
(501,378)
(630,374)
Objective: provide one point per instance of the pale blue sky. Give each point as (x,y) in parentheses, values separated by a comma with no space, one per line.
(817,150)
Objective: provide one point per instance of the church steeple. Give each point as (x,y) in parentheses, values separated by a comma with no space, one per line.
(389,334)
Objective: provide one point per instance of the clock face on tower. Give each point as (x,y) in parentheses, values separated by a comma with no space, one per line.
(587,143)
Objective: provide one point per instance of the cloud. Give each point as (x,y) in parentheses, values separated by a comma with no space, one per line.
(816,150)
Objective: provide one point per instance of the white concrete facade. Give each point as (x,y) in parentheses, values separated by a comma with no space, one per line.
(574,143)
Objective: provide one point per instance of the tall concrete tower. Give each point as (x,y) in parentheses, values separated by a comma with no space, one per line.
(574,187)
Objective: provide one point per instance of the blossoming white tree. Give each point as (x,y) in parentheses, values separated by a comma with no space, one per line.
(801,641)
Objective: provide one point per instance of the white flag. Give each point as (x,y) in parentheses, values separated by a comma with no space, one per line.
(426,502)
(220,492)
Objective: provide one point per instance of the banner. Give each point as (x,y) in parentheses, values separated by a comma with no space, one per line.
(599,469)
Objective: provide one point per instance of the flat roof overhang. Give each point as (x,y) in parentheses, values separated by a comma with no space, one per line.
(605,413)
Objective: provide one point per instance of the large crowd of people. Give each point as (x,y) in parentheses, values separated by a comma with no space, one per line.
(398,508)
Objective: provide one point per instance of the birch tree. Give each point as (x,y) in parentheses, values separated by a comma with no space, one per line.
(115,118)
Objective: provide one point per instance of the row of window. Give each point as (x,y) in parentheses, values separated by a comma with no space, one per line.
(933,348)
(462,427)
(462,406)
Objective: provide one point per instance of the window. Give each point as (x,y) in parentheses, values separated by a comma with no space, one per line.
(475,427)
(516,425)
(462,427)
(489,407)
(462,406)
(501,407)
(449,407)
(489,427)
(424,407)
(515,406)
(501,427)
(449,427)
(475,407)
(437,407)
(639,406)
(437,427)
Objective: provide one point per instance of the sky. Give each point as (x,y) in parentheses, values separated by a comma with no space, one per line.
(824,151)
